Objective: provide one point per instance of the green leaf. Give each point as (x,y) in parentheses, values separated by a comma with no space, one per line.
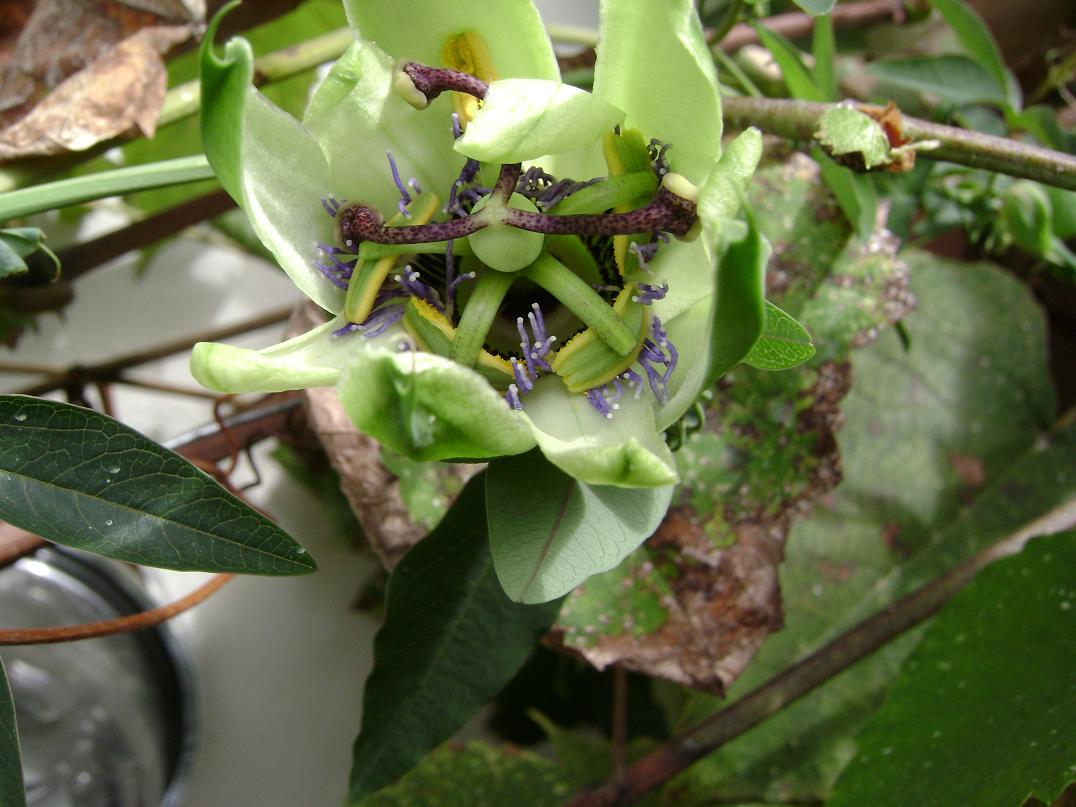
(479,774)
(66,192)
(740,314)
(816,7)
(523,119)
(962,460)
(845,132)
(983,709)
(798,79)
(550,532)
(450,641)
(784,342)
(952,79)
(824,49)
(79,478)
(19,243)
(11,787)
(855,193)
(976,38)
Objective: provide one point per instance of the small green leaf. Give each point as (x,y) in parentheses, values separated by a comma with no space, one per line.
(816,7)
(983,710)
(845,131)
(740,314)
(783,344)
(976,38)
(76,477)
(550,532)
(19,243)
(855,193)
(953,79)
(450,641)
(523,119)
(11,787)
(798,79)
(823,49)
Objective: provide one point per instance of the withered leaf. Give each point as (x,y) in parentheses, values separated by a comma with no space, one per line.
(122,88)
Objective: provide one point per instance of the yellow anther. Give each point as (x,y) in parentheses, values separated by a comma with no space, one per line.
(467,52)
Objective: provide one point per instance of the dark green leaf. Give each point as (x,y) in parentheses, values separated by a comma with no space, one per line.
(17,244)
(823,48)
(740,313)
(77,477)
(983,710)
(975,37)
(550,532)
(816,7)
(855,193)
(783,344)
(450,641)
(797,77)
(476,775)
(945,450)
(953,79)
(11,789)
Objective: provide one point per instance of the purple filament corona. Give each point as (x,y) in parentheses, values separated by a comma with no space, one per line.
(536,347)
(657,359)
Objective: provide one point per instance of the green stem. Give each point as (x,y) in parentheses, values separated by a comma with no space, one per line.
(729,20)
(577,296)
(737,72)
(799,120)
(572,35)
(76,190)
(482,306)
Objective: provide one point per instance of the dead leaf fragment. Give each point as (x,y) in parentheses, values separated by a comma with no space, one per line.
(124,87)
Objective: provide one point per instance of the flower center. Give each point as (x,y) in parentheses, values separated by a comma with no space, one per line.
(455,275)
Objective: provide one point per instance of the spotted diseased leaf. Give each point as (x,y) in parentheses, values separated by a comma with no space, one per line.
(983,709)
(965,396)
(784,343)
(457,775)
(77,477)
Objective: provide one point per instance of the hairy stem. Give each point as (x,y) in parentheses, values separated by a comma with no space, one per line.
(799,120)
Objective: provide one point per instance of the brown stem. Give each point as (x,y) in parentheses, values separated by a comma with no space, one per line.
(796,24)
(80,258)
(668,760)
(799,120)
(110,627)
(110,370)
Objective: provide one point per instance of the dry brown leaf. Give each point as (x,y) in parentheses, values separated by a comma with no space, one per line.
(39,50)
(125,87)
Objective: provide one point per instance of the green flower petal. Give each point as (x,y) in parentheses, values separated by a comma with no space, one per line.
(313,359)
(625,451)
(522,119)
(512,30)
(653,63)
(689,332)
(269,164)
(429,408)
(357,117)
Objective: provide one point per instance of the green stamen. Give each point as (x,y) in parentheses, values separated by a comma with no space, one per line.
(578,297)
